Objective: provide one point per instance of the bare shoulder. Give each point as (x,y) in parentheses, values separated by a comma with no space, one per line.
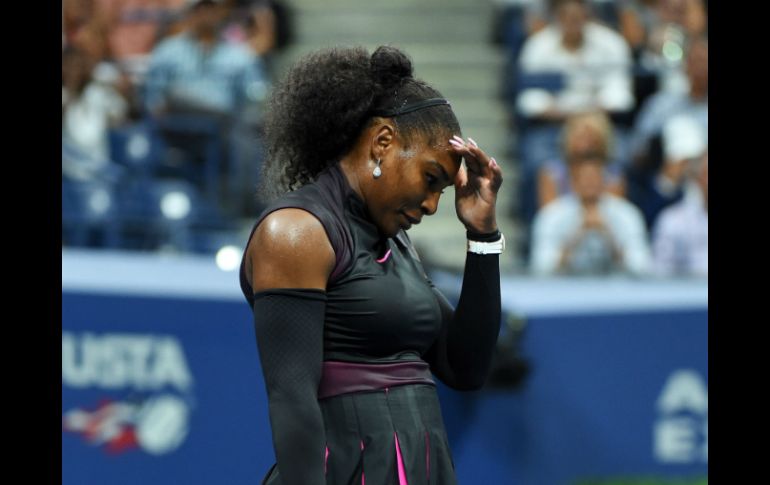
(289,249)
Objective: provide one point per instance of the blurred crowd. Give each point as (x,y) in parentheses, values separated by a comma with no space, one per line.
(608,100)
(161,118)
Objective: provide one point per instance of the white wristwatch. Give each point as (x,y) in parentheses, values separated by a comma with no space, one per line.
(479,247)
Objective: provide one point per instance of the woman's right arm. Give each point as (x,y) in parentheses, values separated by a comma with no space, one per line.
(289,260)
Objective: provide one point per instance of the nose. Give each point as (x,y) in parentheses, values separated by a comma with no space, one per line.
(430,204)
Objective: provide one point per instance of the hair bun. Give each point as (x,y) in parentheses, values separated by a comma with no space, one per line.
(389,66)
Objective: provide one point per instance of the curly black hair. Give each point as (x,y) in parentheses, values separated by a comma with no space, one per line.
(315,115)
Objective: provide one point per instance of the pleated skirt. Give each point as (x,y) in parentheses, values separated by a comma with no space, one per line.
(393,436)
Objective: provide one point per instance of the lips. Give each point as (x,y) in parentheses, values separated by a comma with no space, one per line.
(411,220)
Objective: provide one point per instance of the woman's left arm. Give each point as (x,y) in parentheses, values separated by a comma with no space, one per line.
(462,354)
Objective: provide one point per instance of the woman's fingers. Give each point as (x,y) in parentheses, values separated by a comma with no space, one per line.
(477,162)
(497,174)
(475,158)
(476,183)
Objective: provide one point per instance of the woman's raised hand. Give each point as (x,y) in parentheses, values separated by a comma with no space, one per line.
(476,186)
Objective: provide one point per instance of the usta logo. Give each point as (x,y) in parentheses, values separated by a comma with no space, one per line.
(157,423)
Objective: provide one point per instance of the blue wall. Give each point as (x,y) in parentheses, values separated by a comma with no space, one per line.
(167,388)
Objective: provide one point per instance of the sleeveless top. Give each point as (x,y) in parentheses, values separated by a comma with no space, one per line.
(380,304)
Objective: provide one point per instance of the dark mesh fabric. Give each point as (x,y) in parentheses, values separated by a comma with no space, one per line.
(462,355)
(289,339)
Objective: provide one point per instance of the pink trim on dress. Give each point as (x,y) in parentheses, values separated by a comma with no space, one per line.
(363,479)
(326,459)
(384,258)
(427,455)
(399,458)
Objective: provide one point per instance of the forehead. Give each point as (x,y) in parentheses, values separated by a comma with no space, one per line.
(570,8)
(422,150)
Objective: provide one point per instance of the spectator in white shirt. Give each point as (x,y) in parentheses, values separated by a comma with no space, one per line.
(595,62)
(573,65)
(681,235)
(665,104)
(90,107)
(683,139)
(589,232)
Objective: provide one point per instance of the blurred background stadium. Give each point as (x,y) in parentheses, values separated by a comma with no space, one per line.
(601,374)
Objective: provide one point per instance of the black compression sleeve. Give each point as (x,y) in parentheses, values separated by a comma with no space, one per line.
(462,355)
(289,329)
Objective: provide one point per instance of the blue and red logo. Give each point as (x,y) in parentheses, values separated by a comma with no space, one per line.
(142,364)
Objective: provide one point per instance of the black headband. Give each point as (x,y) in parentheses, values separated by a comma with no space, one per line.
(408,108)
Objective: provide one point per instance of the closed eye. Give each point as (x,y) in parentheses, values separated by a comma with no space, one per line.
(433,182)
(440,180)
